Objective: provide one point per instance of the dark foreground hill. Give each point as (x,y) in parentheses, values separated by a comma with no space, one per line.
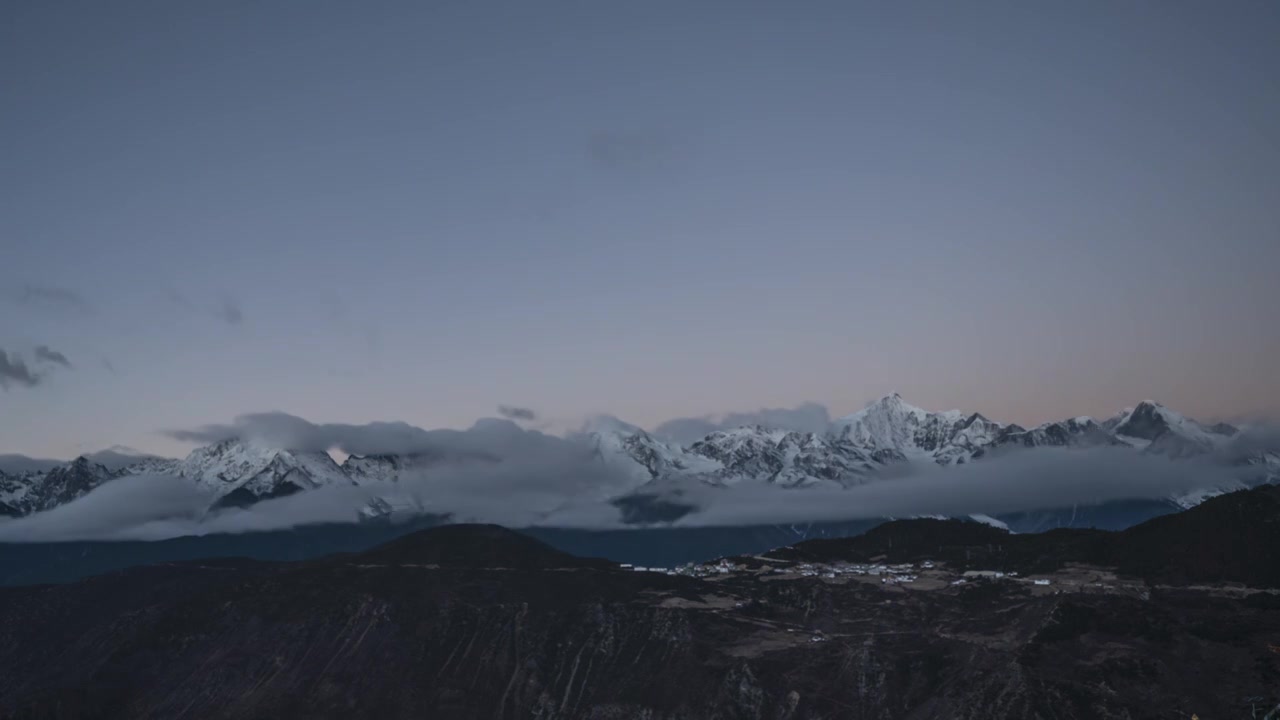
(475,546)
(480,622)
(1230,538)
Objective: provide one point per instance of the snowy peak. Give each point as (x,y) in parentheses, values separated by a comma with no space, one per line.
(637,454)
(37,490)
(1075,432)
(729,457)
(1146,421)
(600,425)
(364,469)
(890,406)
(853,450)
(789,459)
(891,423)
(254,473)
(70,481)
(152,466)
(1155,428)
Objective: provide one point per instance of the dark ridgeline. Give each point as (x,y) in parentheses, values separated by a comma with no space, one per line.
(1232,538)
(482,622)
(475,546)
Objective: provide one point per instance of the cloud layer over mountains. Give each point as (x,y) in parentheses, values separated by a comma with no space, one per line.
(1014,481)
(497,471)
(806,417)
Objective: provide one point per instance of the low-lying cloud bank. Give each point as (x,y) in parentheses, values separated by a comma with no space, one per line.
(490,438)
(115,510)
(497,472)
(1017,481)
(494,471)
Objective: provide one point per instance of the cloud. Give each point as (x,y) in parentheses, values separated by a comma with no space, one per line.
(1039,479)
(497,471)
(278,429)
(15,463)
(48,355)
(806,417)
(517,413)
(644,153)
(528,479)
(50,298)
(230,313)
(494,471)
(1250,442)
(178,299)
(125,507)
(487,441)
(14,371)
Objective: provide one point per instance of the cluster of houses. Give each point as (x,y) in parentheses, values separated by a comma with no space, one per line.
(642,568)
(900,573)
(888,574)
(721,567)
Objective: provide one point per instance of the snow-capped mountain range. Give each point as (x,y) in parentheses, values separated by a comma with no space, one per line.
(891,431)
(887,433)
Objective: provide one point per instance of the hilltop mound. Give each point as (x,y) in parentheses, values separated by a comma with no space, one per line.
(1233,537)
(474,546)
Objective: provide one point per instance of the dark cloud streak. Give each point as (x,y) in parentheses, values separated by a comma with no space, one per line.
(178,299)
(14,371)
(230,313)
(48,355)
(486,439)
(517,413)
(51,298)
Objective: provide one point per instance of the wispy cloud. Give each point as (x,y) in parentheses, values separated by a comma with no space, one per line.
(638,153)
(13,371)
(512,412)
(49,297)
(178,299)
(230,312)
(48,355)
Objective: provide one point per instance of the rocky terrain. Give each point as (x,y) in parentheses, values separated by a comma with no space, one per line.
(920,619)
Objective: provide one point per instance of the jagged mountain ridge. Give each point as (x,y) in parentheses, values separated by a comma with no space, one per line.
(239,473)
(890,431)
(1076,432)
(856,448)
(728,457)
(36,490)
(231,472)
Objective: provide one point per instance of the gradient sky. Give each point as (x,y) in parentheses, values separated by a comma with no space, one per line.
(421,210)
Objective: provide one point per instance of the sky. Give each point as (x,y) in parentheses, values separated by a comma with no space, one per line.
(405,211)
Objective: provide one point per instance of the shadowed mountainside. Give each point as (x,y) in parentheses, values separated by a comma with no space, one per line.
(481,622)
